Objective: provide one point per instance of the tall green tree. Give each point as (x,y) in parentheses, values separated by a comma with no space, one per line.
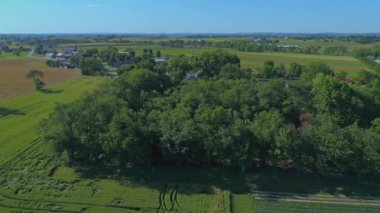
(210,63)
(337,98)
(36,76)
(90,65)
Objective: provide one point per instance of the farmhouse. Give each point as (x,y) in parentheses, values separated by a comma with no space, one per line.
(261,41)
(66,65)
(60,56)
(70,51)
(67,52)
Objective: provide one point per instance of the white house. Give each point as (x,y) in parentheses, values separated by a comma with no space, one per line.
(60,56)
(371,57)
(377,60)
(49,55)
(160,60)
(288,46)
(67,52)
(192,76)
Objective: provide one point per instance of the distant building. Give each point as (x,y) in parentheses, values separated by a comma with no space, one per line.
(377,60)
(160,60)
(49,55)
(67,52)
(371,57)
(66,65)
(47,48)
(192,76)
(261,41)
(288,46)
(60,56)
(70,51)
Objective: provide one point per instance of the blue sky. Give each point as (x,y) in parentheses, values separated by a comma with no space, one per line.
(189,16)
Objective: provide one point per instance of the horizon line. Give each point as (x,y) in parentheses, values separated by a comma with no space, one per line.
(194,33)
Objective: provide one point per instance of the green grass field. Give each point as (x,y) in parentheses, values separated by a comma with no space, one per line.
(274,206)
(40,63)
(323,44)
(11,56)
(34,179)
(20,115)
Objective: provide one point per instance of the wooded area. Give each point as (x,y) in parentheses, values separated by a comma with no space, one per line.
(303,117)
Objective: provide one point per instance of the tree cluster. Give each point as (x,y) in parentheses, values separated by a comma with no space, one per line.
(150,115)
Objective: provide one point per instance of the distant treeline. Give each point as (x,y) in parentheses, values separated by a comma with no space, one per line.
(264,46)
(302,117)
(15,50)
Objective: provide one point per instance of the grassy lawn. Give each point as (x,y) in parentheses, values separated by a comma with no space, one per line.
(40,63)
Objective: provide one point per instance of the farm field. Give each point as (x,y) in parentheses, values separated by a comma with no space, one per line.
(11,56)
(350,46)
(249,59)
(13,81)
(33,179)
(189,106)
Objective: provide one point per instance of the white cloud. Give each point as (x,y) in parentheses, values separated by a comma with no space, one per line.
(93,5)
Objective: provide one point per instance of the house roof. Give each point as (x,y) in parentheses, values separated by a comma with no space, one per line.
(158,60)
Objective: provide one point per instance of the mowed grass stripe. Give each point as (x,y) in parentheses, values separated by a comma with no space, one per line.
(18,128)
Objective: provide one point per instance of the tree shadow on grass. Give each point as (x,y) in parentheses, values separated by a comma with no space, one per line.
(190,179)
(201,180)
(7,112)
(51,91)
(293,182)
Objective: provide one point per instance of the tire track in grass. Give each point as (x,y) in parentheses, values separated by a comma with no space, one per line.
(72,203)
(6,164)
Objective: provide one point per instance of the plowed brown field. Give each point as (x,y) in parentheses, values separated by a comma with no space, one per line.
(13,81)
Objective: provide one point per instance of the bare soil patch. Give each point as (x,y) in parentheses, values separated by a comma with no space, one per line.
(13,81)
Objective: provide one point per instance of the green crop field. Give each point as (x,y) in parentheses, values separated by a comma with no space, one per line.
(11,56)
(34,179)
